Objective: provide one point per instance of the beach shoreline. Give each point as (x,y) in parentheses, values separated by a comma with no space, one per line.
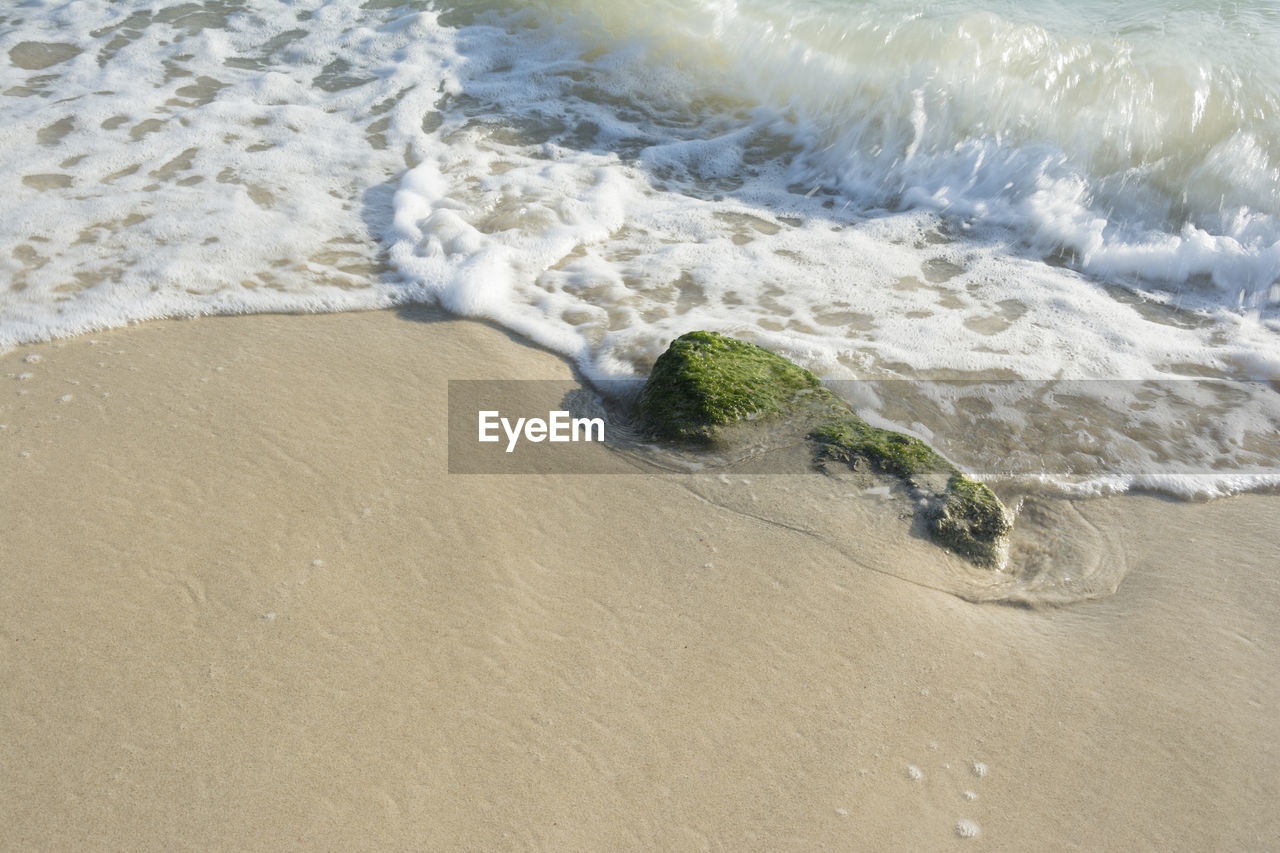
(246,606)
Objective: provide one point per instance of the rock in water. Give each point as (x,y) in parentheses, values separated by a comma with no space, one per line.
(961,513)
(706,381)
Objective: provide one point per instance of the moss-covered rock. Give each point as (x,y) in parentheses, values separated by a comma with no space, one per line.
(963,515)
(971,521)
(850,438)
(706,381)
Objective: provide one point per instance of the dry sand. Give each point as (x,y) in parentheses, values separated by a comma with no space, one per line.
(245,607)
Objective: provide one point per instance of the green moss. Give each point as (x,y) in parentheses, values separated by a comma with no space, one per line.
(966,516)
(971,521)
(891,452)
(705,380)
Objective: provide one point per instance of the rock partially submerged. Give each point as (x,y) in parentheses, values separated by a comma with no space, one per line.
(961,513)
(706,382)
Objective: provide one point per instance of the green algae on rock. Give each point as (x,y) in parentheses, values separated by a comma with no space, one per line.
(705,381)
(851,438)
(963,515)
(971,521)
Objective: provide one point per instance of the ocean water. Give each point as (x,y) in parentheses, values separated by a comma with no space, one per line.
(1037,193)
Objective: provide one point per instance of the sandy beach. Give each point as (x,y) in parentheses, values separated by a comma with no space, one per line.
(257,594)
(246,607)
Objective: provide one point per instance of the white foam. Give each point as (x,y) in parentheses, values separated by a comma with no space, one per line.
(1195,486)
(189,165)
(612,296)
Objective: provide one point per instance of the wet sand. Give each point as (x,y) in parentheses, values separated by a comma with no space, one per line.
(244,606)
